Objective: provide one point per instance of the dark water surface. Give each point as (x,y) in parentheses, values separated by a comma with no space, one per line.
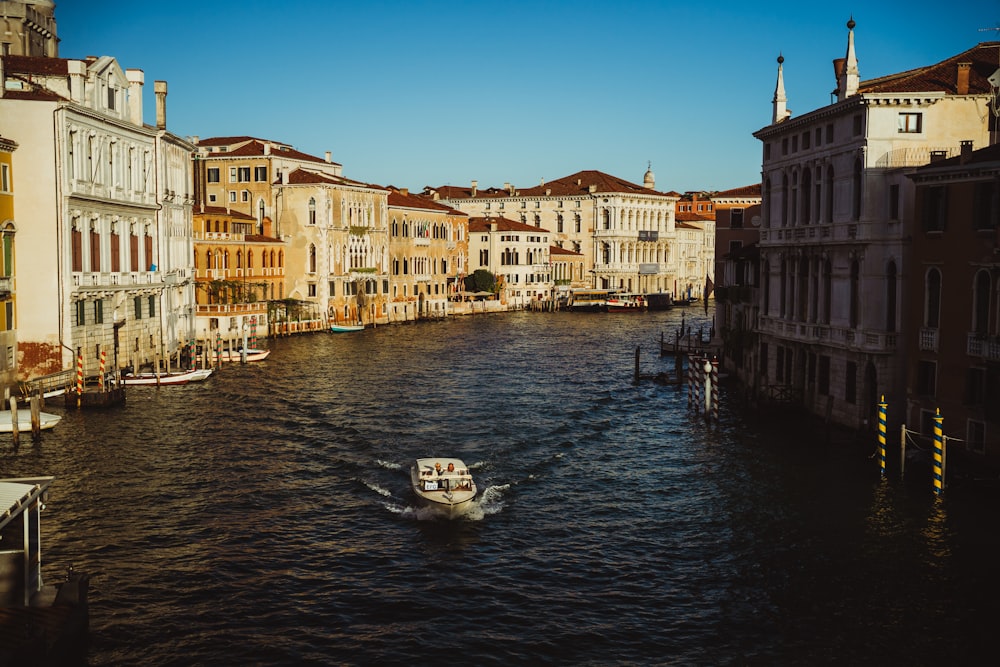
(264,518)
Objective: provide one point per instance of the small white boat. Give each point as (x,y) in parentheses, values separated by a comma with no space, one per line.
(253,354)
(346,328)
(444,484)
(173,377)
(626,303)
(46,420)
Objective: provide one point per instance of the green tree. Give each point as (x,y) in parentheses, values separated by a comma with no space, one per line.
(481,280)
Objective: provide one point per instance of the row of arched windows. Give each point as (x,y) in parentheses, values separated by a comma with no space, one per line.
(806,195)
(219,259)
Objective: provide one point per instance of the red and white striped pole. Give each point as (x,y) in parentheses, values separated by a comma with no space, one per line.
(104,357)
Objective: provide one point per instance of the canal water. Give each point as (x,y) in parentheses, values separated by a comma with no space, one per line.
(264,517)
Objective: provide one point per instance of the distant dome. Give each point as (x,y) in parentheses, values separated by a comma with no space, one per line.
(649,178)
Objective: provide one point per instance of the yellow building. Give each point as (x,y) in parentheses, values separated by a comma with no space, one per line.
(428,250)
(8,332)
(337,256)
(238,269)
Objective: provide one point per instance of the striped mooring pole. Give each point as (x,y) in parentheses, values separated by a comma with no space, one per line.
(938,454)
(104,359)
(79,380)
(715,390)
(881,435)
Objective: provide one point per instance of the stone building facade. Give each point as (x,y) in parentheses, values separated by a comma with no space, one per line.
(836,216)
(625,231)
(95,220)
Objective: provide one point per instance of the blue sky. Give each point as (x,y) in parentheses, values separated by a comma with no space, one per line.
(439,93)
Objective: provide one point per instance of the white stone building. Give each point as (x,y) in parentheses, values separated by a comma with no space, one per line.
(837,212)
(626,231)
(104,216)
(516,254)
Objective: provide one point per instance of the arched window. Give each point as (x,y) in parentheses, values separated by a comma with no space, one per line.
(981,303)
(855,293)
(827,290)
(932,299)
(260,212)
(807,196)
(828,214)
(312,210)
(856,191)
(249,259)
(312,258)
(891,275)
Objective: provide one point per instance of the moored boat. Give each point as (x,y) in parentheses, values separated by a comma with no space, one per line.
(588,300)
(46,420)
(626,303)
(346,328)
(171,378)
(253,354)
(444,484)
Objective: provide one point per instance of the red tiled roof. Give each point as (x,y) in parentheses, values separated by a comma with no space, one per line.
(503,225)
(260,238)
(255,148)
(556,250)
(942,77)
(745,191)
(398,198)
(35,65)
(306,177)
(221,210)
(691,216)
(573,185)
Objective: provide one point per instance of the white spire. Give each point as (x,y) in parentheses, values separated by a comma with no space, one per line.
(780,111)
(849,78)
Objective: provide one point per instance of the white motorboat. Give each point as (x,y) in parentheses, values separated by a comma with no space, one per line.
(253,354)
(45,420)
(444,484)
(174,377)
(346,328)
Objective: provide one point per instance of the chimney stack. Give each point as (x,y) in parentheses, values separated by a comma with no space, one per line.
(937,156)
(329,157)
(966,151)
(962,81)
(136,79)
(475,188)
(160,88)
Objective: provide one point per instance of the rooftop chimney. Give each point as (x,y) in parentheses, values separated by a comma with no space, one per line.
(475,187)
(966,151)
(962,81)
(329,156)
(136,79)
(937,156)
(160,88)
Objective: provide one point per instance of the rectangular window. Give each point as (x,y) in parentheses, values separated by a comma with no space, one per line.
(99,311)
(784,146)
(213,174)
(333,288)
(767,152)
(81,313)
(312,289)
(244,174)
(736,218)
(976,436)
(910,122)
(894,201)
(152,306)
(245,196)
(805,140)
(111,98)
(819,136)
(935,208)
(5,178)
(260,174)
(795,144)
(137,304)
(823,378)
(232,174)
(985,205)
(926,378)
(858,125)
(232,196)
(829,133)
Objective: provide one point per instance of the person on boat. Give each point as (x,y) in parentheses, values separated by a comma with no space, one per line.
(437,467)
(451,467)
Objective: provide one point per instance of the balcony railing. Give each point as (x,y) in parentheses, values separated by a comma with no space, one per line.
(980,346)
(929,339)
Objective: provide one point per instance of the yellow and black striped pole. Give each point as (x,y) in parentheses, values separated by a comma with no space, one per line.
(881,435)
(938,453)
